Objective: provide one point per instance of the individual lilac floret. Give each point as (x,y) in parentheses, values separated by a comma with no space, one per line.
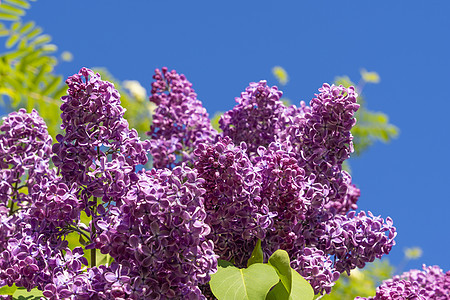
(98,150)
(160,231)
(233,204)
(257,119)
(25,148)
(180,122)
(430,284)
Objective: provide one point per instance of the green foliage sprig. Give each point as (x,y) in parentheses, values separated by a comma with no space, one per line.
(27,77)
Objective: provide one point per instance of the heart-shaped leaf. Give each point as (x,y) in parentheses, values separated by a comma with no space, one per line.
(252,283)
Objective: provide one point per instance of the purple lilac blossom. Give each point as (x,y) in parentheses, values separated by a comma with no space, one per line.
(29,228)
(309,194)
(282,188)
(180,122)
(353,239)
(160,232)
(316,267)
(430,284)
(25,148)
(98,150)
(32,252)
(322,140)
(101,282)
(257,119)
(235,211)
(283,184)
(290,196)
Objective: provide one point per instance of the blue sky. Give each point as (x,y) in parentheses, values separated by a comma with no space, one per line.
(221,47)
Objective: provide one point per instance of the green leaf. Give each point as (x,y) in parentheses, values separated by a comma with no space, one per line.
(4,32)
(22,294)
(22,3)
(257,255)
(12,10)
(12,40)
(15,26)
(252,283)
(49,48)
(8,290)
(82,241)
(36,31)
(224,263)
(282,264)
(278,292)
(27,27)
(42,39)
(301,289)
(8,17)
(53,85)
(215,121)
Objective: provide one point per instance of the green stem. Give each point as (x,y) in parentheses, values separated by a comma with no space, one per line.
(14,193)
(80,232)
(93,251)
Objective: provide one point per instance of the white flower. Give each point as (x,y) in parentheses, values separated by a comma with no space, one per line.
(136,89)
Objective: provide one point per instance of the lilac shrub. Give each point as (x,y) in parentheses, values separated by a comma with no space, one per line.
(273,174)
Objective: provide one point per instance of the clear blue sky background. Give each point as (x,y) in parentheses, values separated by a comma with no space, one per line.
(222,46)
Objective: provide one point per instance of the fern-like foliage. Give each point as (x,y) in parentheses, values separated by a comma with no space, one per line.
(27,77)
(26,68)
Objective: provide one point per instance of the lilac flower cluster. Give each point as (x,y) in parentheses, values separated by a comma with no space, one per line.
(274,173)
(32,251)
(284,184)
(160,233)
(38,203)
(25,151)
(355,239)
(322,140)
(101,282)
(180,122)
(97,157)
(282,188)
(234,208)
(316,267)
(257,119)
(430,284)
(98,150)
